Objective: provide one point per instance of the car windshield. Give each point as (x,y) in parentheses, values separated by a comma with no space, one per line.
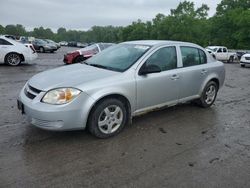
(91,47)
(119,57)
(212,49)
(41,41)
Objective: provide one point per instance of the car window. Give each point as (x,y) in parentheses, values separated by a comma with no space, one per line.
(224,50)
(101,46)
(203,57)
(192,56)
(165,58)
(92,47)
(219,50)
(4,42)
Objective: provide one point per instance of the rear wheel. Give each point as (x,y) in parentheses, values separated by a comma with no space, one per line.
(41,49)
(13,59)
(208,95)
(108,118)
(231,59)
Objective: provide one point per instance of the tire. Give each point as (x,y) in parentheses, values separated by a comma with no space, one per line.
(231,59)
(41,49)
(209,95)
(108,118)
(78,59)
(13,59)
(242,65)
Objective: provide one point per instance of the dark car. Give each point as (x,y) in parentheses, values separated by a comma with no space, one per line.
(72,44)
(240,54)
(85,53)
(53,43)
(42,46)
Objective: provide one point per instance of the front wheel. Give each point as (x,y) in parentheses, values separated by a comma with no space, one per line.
(108,118)
(209,95)
(13,59)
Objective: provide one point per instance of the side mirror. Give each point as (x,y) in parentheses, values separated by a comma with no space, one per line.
(149,69)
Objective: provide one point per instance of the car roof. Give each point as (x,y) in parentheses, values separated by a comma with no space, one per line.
(216,47)
(160,42)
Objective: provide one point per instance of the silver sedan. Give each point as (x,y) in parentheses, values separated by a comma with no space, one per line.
(104,92)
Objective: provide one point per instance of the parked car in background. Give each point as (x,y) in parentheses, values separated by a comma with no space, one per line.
(43,46)
(53,43)
(125,80)
(72,44)
(221,53)
(239,54)
(13,53)
(26,40)
(245,60)
(85,53)
(81,45)
(63,43)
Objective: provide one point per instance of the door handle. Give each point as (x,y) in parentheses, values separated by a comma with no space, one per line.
(175,77)
(203,71)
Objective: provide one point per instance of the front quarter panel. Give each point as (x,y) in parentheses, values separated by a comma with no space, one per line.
(122,84)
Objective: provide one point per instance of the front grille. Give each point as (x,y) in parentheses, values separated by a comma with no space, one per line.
(247,58)
(31,92)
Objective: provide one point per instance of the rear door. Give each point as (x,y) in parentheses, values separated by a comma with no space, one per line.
(193,72)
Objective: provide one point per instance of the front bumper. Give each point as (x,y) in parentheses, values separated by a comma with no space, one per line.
(245,62)
(69,116)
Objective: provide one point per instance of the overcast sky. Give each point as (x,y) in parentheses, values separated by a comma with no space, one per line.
(83,14)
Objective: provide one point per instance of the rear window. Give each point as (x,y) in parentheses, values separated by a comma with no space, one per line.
(4,42)
(193,56)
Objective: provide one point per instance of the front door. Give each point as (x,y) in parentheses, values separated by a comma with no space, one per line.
(162,87)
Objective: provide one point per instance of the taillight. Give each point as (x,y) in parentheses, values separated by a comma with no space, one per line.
(32,48)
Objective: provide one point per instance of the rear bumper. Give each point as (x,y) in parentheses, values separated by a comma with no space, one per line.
(69,58)
(30,57)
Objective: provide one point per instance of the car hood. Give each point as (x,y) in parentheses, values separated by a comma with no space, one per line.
(69,76)
(246,55)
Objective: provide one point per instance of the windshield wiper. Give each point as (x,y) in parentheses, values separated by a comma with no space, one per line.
(99,66)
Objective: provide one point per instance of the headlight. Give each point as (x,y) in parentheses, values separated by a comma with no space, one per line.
(60,95)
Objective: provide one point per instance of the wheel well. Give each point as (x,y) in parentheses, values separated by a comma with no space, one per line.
(21,55)
(216,81)
(123,99)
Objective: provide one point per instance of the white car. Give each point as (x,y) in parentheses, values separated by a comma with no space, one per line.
(245,60)
(13,52)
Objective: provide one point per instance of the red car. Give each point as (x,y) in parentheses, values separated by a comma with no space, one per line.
(85,53)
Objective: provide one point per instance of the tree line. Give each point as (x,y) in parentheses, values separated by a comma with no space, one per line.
(230,26)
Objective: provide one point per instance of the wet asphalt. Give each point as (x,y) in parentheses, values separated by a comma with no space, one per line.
(182,146)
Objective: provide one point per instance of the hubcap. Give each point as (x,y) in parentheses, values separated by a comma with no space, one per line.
(13,59)
(210,94)
(110,119)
